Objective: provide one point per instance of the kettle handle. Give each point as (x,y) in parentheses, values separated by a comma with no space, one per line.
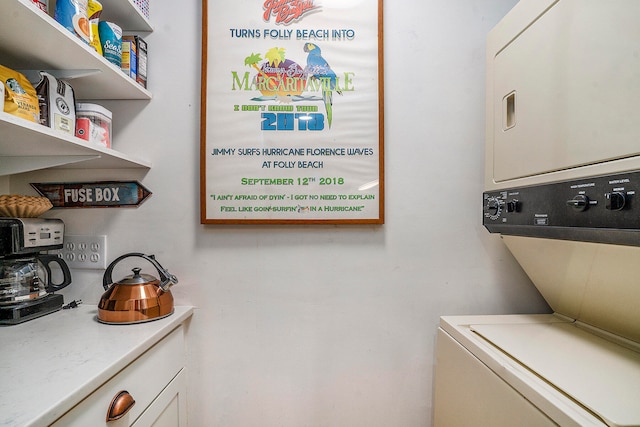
(46,260)
(166,279)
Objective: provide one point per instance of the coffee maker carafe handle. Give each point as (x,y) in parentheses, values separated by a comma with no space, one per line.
(46,260)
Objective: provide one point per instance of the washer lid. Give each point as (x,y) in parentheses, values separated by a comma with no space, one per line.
(599,374)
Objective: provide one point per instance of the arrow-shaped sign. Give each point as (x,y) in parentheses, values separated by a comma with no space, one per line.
(102,194)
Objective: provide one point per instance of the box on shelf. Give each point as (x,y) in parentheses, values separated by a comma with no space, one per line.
(141,57)
(93,123)
(129,58)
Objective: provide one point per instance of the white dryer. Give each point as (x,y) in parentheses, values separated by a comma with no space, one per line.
(562,189)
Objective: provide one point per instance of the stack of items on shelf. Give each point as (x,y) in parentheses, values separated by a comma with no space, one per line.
(82,18)
(134,58)
(51,102)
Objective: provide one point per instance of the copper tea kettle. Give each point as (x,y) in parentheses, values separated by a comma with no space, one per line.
(136,298)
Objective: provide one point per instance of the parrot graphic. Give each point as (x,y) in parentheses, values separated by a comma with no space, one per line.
(318,68)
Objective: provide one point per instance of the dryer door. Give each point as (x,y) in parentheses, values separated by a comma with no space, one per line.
(565,90)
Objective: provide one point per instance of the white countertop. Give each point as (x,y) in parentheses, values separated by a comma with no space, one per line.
(49,364)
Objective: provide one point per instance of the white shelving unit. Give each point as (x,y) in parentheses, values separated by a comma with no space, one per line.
(126,14)
(31,40)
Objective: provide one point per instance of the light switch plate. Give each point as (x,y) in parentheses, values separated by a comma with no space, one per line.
(85,252)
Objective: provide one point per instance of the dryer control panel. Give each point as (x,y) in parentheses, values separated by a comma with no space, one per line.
(596,209)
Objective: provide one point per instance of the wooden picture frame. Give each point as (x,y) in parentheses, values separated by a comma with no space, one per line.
(292,109)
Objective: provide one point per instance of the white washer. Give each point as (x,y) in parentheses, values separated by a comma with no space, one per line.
(580,368)
(562,188)
(533,370)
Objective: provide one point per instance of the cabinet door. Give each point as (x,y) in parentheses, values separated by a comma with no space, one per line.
(145,379)
(170,407)
(565,90)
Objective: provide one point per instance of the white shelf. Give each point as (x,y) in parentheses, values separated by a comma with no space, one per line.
(32,40)
(126,14)
(27,146)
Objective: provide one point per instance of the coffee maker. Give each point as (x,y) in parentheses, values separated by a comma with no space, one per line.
(27,288)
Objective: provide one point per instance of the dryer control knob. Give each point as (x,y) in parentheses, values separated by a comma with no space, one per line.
(514,206)
(579,202)
(614,201)
(493,208)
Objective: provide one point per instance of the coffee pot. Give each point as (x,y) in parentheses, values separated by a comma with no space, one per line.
(30,277)
(27,275)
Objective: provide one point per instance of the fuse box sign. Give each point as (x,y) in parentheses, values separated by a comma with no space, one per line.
(103,194)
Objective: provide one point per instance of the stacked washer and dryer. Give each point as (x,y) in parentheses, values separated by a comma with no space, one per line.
(562,190)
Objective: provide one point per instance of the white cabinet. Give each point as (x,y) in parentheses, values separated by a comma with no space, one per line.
(155,381)
(65,368)
(170,407)
(31,40)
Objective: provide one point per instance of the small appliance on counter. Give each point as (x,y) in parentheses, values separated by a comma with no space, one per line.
(26,278)
(137,298)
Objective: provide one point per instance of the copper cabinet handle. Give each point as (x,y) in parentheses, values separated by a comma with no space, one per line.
(120,405)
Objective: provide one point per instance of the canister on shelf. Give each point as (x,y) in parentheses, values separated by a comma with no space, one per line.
(72,14)
(93,123)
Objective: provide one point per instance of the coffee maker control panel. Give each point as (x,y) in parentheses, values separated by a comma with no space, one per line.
(30,235)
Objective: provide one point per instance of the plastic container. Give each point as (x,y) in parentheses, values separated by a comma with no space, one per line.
(93,123)
(143,5)
(42,4)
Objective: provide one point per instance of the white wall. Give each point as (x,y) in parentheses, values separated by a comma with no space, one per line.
(331,325)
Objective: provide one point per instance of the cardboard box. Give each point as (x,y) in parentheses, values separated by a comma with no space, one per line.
(129,63)
(141,58)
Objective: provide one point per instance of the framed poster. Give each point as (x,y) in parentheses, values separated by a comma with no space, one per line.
(292,112)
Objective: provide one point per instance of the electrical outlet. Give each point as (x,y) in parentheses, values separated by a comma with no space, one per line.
(85,252)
